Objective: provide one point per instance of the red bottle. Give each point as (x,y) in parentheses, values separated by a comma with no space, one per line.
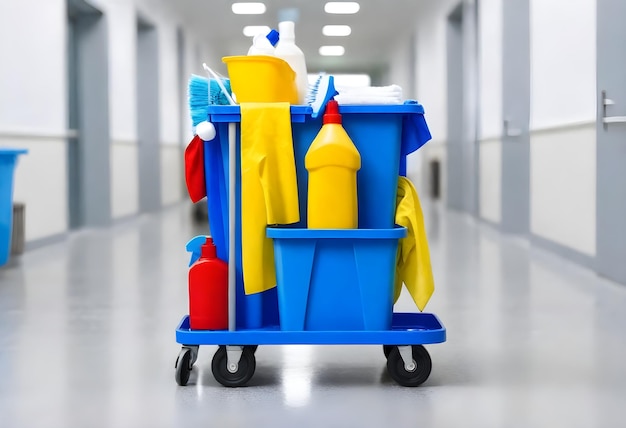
(208,291)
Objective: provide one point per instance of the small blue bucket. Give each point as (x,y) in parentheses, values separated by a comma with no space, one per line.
(335,279)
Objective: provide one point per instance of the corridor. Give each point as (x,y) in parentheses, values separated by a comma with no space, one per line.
(87,340)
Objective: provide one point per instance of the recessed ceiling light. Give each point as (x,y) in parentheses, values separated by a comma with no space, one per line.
(347,7)
(336,30)
(249,8)
(332,50)
(253,30)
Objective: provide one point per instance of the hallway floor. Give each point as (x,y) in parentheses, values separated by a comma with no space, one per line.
(87,340)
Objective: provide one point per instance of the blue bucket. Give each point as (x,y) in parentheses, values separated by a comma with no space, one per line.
(384,136)
(335,279)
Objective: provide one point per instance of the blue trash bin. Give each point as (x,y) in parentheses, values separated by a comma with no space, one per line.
(8,160)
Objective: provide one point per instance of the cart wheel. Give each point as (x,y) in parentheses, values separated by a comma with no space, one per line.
(194,353)
(183,366)
(245,369)
(387,350)
(253,348)
(415,377)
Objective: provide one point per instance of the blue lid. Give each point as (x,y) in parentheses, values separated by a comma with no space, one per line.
(273,37)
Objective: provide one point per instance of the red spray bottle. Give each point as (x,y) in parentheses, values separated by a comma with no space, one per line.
(208,291)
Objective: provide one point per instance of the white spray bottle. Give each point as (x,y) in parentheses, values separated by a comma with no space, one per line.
(263,44)
(287,50)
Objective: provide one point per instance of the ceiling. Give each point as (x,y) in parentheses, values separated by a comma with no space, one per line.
(375,29)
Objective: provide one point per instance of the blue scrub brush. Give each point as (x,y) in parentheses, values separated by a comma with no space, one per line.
(202,93)
(322,91)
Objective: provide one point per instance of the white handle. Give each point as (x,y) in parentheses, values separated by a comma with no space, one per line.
(614,119)
(232,254)
(219,82)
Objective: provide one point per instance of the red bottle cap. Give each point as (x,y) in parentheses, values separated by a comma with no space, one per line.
(209,250)
(331,115)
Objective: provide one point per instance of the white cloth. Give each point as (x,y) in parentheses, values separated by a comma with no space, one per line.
(370,95)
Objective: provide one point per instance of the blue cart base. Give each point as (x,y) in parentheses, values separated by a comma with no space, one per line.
(408,362)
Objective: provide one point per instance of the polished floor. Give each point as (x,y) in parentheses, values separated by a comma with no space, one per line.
(87,340)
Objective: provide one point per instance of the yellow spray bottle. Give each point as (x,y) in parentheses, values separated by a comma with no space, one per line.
(332,162)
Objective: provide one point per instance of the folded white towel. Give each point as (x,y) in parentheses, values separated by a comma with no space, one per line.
(373,90)
(344,99)
(370,95)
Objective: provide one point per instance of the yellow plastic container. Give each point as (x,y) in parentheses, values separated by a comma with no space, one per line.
(261,79)
(332,162)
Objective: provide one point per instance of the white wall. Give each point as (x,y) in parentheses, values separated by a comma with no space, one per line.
(563,108)
(123,107)
(402,72)
(563,62)
(33,104)
(171,146)
(490,105)
(432,82)
(490,68)
(490,180)
(33,108)
(399,72)
(563,186)
(123,68)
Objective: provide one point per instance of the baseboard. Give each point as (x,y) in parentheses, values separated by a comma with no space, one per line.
(124,219)
(568,253)
(43,242)
(490,223)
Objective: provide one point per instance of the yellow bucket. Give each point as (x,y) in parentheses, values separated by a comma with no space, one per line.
(261,79)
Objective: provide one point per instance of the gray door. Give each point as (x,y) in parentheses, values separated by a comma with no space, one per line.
(462,150)
(88,106)
(516,116)
(611,140)
(148,117)
(454,168)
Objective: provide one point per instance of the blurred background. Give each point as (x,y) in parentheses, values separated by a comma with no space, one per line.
(523,188)
(96,91)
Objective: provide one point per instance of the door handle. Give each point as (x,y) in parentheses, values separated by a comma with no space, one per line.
(614,119)
(508,131)
(609,119)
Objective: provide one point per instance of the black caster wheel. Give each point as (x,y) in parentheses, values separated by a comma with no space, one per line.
(194,353)
(417,372)
(253,348)
(245,368)
(183,366)
(387,350)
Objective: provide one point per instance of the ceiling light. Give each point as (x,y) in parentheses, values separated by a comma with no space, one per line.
(337,7)
(253,30)
(336,30)
(332,50)
(248,8)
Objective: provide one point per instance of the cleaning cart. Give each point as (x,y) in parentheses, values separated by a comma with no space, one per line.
(334,286)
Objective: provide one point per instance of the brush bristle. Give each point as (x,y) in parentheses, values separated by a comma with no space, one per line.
(198,92)
(200,97)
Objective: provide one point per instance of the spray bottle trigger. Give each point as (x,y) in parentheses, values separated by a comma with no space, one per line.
(194,246)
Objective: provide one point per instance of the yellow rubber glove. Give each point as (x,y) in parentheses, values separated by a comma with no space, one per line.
(269,188)
(413,263)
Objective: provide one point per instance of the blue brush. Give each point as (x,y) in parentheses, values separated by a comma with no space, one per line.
(322,91)
(202,93)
